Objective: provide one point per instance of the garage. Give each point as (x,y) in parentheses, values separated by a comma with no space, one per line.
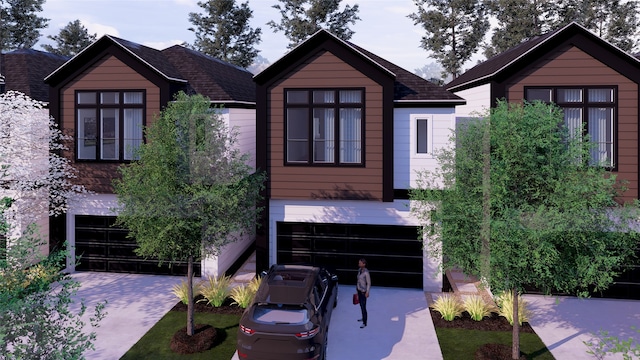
(102,246)
(393,253)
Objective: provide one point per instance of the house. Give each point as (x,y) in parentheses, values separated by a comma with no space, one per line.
(594,82)
(104,96)
(24,70)
(341,133)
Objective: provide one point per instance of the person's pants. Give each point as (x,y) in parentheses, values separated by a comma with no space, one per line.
(362,298)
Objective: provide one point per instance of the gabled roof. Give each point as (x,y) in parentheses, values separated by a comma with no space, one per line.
(527,52)
(24,70)
(408,87)
(206,75)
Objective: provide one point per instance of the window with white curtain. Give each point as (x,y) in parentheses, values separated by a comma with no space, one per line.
(589,110)
(109,124)
(324,126)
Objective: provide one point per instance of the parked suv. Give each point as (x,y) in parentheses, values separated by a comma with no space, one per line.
(289,317)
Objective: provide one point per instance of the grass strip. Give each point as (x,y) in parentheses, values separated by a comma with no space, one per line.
(155,343)
(462,344)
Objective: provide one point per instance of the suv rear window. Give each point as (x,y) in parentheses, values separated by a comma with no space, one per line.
(275,314)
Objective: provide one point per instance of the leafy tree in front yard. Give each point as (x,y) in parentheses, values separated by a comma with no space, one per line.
(191,192)
(38,319)
(517,203)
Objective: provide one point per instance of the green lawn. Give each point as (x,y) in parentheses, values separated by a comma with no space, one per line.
(155,343)
(462,344)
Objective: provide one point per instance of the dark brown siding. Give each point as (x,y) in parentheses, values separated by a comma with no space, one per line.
(308,182)
(108,73)
(572,66)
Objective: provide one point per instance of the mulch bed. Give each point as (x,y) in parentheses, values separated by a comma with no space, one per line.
(494,322)
(226,307)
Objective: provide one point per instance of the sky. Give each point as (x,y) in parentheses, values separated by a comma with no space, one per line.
(384,28)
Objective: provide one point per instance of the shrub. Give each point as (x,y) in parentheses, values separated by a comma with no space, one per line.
(448,306)
(505,304)
(476,307)
(215,290)
(181,291)
(243,294)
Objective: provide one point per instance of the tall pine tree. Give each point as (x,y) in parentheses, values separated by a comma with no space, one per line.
(20,24)
(518,21)
(454,30)
(302,18)
(71,40)
(223,31)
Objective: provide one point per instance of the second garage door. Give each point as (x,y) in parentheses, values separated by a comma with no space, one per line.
(394,253)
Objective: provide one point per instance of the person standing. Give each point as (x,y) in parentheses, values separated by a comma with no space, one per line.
(363,285)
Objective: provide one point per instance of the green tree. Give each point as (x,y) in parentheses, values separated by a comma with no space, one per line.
(191,192)
(551,219)
(223,31)
(20,24)
(518,21)
(454,30)
(37,316)
(613,20)
(71,40)
(302,18)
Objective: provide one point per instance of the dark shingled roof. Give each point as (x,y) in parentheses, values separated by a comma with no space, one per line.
(209,76)
(409,86)
(202,74)
(24,70)
(525,52)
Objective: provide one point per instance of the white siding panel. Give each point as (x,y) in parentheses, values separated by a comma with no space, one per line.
(244,122)
(478,101)
(407,162)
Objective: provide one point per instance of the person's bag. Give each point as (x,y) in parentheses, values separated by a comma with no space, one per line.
(356,301)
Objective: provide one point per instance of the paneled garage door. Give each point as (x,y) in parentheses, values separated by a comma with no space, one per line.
(394,253)
(105,247)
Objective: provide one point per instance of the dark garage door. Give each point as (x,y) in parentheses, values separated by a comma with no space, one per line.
(104,247)
(394,253)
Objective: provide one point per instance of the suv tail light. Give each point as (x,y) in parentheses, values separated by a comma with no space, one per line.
(247,330)
(308,334)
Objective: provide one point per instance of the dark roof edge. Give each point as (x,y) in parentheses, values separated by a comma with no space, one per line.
(116,42)
(428,103)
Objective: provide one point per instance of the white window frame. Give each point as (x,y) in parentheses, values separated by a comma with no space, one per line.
(414,135)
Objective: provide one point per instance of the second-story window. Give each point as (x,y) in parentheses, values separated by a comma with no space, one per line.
(109,124)
(324,126)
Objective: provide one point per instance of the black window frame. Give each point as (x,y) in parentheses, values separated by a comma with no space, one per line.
(98,106)
(336,106)
(585,104)
(424,139)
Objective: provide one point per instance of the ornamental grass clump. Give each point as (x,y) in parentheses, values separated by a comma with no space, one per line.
(181,291)
(505,305)
(243,295)
(448,306)
(215,290)
(476,307)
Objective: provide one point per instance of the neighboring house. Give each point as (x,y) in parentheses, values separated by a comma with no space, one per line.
(24,70)
(594,82)
(104,96)
(341,134)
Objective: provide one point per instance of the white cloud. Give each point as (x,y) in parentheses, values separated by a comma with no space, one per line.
(99,29)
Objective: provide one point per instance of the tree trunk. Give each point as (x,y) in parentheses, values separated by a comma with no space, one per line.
(190,306)
(515,339)
(485,231)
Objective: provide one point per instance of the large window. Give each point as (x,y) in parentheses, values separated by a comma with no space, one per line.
(324,126)
(109,124)
(591,108)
